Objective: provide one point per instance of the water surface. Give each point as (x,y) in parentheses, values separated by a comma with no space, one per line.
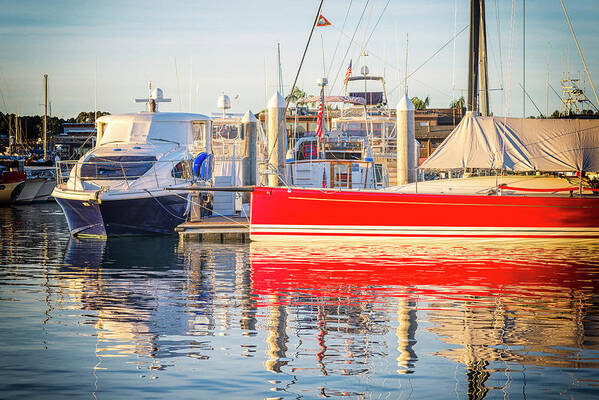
(154,317)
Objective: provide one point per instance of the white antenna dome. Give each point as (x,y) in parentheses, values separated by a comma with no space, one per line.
(364,70)
(223,102)
(157,93)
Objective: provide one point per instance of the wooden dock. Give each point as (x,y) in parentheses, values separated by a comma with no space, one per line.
(216,229)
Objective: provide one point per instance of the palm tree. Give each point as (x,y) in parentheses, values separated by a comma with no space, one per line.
(459,103)
(295,95)
(420,104)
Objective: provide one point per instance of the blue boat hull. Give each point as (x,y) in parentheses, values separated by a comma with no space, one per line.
(156,215)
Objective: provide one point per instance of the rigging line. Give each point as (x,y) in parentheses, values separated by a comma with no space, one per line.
(340,36)
(510,59)
(560,97)
(499,43)
(162,205)
(438,51)
(531,100)
(368,23)
(431,57)
(297,76)
(351,41)
(377,23)
(455,29)
(580,52)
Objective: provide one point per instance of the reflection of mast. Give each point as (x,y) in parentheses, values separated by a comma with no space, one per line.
(277,336)
(322,333)
(248,308)
(406,333)
(477,376)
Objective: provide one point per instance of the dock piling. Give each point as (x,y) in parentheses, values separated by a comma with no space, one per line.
(277,138)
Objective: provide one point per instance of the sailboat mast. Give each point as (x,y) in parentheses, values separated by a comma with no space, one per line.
(523,58)
(484,70)
(477,58)
(45,112)
(472,104)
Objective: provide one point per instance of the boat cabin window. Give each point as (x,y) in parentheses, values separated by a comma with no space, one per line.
(200,128)
(226,132)
(116,167)
(378,170)
(308,151)
(341,177)
(179,171)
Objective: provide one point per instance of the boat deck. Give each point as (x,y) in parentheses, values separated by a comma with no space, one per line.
(216,229)
(543,185)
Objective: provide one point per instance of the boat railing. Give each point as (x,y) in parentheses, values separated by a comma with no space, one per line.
(228,147)
(265,169)
(122,172)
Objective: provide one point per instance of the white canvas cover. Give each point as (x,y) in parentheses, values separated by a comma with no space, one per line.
(520,144)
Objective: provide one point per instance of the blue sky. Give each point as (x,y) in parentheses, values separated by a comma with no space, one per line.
(223,47)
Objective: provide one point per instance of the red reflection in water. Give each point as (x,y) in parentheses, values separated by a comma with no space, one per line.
(440,269)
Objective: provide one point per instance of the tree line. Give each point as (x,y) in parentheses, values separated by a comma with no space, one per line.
(31,127)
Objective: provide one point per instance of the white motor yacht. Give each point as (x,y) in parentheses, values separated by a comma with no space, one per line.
(127,184)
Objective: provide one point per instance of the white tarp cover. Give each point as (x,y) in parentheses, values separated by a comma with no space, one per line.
(519,144)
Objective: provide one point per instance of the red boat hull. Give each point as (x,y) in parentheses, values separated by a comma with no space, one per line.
(283,213)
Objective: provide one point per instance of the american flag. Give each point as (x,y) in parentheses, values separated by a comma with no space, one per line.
(347,74)
(319,122)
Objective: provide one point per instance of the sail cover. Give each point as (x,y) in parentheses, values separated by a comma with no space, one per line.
(520,144)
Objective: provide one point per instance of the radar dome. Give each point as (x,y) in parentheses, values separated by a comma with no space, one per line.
(223,102)
(157,93)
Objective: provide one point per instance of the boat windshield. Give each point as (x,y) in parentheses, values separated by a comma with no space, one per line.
(116,167)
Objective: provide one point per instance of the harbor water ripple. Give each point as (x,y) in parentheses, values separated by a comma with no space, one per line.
(156,317)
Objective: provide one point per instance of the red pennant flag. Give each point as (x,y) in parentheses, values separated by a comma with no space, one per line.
(322,21)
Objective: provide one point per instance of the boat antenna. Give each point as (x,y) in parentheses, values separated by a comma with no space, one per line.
(280,68)
(178,86)
(190,107)
(405,79)
(154,97)
(324,71)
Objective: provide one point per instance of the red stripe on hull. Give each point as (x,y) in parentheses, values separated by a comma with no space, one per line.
(307,208)
(476,236)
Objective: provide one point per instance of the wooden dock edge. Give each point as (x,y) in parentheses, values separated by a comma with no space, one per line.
(216,229)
